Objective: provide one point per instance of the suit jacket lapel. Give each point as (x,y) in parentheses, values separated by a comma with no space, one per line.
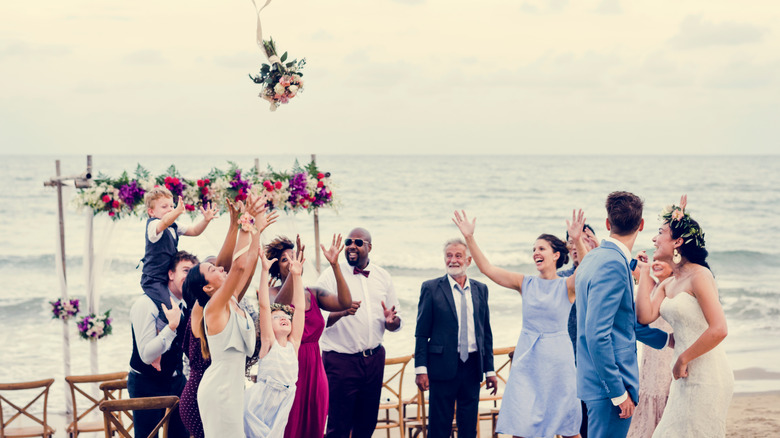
(475,300)
(446,290)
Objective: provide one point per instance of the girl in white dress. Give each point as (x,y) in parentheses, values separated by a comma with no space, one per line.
(267,403)
(703,384)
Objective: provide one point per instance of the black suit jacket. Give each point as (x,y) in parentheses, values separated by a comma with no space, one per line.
(436,335)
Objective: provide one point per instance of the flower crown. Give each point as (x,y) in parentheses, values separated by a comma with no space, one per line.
(681,221)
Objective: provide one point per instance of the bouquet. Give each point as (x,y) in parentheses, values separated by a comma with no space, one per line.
(281,80)
(64,309)
(95,326)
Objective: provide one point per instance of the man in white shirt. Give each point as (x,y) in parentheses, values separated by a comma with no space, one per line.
(454,345)
(353,354)
(157,332)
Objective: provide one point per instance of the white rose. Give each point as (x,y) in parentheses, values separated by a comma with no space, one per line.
(279,89)
(293,89)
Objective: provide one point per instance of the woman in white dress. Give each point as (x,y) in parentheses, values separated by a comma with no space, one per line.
(703,383)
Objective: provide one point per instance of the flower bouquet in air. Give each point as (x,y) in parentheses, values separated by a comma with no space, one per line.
(95,326)
(281,80)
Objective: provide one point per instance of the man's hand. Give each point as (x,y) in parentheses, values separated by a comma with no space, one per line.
(627,408)
(422,382)
(173,314)
(492,383)
(332,254)
(389,313)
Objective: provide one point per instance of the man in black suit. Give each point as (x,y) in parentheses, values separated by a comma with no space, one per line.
(454,345)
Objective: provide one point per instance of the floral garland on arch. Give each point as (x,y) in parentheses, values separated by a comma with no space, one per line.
(299,189)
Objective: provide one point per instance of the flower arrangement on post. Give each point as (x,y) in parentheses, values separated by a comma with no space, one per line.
(64,309)
(281,80)
(95,326)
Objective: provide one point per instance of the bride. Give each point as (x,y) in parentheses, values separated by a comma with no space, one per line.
(703,383)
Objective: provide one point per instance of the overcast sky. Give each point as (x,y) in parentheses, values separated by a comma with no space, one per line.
(393,76)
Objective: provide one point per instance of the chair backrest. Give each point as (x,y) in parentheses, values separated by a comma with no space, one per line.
(502,361)
(419,423)
(109,407)
(394,382)
(81,395)
(112,390)
(41,389)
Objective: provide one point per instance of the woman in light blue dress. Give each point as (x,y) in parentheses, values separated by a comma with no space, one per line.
(268,402)
(540,399)
(230,333)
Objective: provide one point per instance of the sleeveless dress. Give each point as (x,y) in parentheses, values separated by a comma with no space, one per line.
(221,390)
(310,409)
(188,404)
(540,397)
(267,403)
(698,404)
(655,376)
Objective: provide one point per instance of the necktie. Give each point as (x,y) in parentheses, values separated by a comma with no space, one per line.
(463,338)
(357,271)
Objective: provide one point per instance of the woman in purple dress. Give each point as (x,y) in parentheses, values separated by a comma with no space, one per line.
(310,407)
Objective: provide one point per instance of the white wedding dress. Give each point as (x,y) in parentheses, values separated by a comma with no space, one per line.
(698,404)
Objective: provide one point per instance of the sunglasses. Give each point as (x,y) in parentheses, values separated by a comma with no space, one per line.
(285,316)
(358,242)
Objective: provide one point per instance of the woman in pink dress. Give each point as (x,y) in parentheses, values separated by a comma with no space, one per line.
(310,407)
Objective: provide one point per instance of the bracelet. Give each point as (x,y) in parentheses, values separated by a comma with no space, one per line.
(247,223)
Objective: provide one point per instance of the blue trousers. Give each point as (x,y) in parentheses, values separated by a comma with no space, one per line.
(604,420)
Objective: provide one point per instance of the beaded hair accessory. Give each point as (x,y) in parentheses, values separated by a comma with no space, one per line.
(681,221)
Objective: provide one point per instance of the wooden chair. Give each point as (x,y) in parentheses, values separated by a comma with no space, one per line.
(80,392)
(393,387)
(419,422)
(112,390)
(113,409)
(502,359)
(42,429)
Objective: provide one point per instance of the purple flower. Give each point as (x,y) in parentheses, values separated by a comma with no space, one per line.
(131,194)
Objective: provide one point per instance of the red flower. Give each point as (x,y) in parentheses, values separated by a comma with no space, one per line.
(115,204)
(320,175)
(204,191)
(206,181)
(320,184)
(110,213)
(278,185)
(168,179)
(175,181)
(106,199)
(200,183)
(268,185)
(189,207)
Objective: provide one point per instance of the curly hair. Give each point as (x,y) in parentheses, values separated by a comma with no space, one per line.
(274,250)
(558,246)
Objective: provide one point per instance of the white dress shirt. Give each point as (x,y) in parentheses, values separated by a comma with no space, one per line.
(154,236)
(365,329)
(153,336)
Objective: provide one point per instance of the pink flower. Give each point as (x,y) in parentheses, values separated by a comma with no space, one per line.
(284,99)
(284,81)
(106,199)
(278,185)
(677,214)
(115,204)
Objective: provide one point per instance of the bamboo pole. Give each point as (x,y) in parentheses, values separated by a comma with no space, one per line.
(316,227)
(89,256)
(61,274)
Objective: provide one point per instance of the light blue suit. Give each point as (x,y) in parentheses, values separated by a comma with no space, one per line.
(607,332)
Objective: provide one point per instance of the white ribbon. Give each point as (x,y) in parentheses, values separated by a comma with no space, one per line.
(260,32)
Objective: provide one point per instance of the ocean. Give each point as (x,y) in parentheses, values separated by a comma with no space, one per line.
(406,202)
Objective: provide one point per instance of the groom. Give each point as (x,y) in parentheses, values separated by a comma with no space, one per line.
(607,330)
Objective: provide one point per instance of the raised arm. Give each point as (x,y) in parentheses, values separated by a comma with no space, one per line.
(225,256)
(264,321)
(209,213)
(706,293)
(575,229)
(169,218)
(511,280)
(343,298)
(299,302)
(648,303)
(263,220)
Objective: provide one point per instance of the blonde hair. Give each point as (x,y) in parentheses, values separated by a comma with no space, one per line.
(155,194)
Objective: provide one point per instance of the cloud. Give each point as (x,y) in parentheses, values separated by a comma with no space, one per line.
(410,2)
(145,57)
(696,33)
(743,74)
(609,7)
(21,49)
(322,35)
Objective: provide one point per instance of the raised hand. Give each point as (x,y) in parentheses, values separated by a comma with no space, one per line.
(173,315)
(332,254)
(179,207)
(389,313)
(683,202)
(296,265)
(590,239)
(254,206)
(235,209)
(576,225)
(209,212)
(299,247)
(462,221)
(265,264)
(262,221)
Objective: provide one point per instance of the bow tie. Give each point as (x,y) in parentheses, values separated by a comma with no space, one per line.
(632,265)
(357,271)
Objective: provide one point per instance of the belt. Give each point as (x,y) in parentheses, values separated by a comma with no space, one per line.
(368,353)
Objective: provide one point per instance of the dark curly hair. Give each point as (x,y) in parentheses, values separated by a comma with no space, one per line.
(274,250)
(689,249)
(558,246)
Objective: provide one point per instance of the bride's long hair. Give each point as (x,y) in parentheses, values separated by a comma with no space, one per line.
(690,250)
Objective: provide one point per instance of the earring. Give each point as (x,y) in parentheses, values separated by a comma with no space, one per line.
(676,258)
